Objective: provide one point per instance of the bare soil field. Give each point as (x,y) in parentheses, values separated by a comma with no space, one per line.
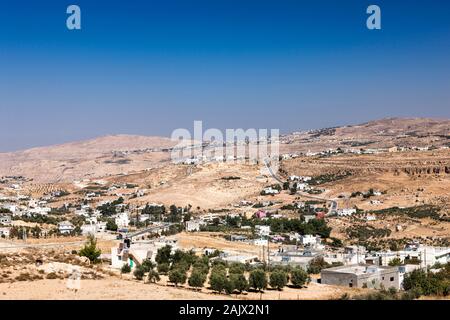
(110,288)
(118,289)
(202,186)
(214,240)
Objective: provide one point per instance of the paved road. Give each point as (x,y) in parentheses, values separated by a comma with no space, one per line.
(148,230)
(333,207)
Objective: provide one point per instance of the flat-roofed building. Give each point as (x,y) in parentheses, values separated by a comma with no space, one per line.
(362,276)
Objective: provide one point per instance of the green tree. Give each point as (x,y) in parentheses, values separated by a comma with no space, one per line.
(163,254)
(90,250)
(125,268)
(177,276)
(228,286)
(237,267)
(316,265)
(111,225)
(278,279)
(239,281)
(197,279)
(163,268)
(147,265)
(139,273)
(395,262)
(153,276)
(299,277)
(217,279)
(258,280)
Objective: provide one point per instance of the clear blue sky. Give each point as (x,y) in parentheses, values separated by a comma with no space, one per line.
(148,67)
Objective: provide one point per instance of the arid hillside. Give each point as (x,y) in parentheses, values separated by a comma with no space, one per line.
(384,133)
(91,158)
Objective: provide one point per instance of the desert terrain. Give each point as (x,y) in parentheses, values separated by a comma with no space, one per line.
(393,173)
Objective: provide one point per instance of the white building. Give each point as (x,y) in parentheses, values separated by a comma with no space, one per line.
(4,232)
(11,207)
(137,252)
(40,210)
(427,255)
(346,212)
(261,242)
(93,227)
(262,231)
(194,225)
(81,213)
(5,219)
(122,220)
(65,227)
(270,190)
(309,240)
(303,186)
(88,229)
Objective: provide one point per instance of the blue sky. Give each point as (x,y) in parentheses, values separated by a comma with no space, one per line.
(149,67)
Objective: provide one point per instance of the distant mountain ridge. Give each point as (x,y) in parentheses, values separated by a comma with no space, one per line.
(96,157)
(383,133)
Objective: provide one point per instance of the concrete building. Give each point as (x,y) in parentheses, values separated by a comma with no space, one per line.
(5,220)
(293,256)
(4,232)
(194,225)
(262,231)
(346,212)
(65,227)
(261,242)
(308,240)
(426,256)
(362,276)
(134,253)
(231,257)
(122,220)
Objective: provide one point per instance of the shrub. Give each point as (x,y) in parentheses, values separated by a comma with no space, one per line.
(90,250)
(153,276)
(139,273)
(24,277)
(147,265)
(125,268)
(395,262)
(111,225)
(52,276)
